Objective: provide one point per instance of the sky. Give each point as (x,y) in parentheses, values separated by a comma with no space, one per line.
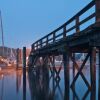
(25,21)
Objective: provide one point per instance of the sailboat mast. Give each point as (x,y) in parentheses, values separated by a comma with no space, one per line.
(2,32)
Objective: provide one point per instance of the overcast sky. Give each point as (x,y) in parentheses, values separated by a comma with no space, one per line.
(25,21)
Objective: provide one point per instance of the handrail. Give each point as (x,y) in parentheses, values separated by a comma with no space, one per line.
(40,43)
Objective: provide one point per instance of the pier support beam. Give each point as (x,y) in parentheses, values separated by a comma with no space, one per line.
(24,73)
(66,73)
(52,67)
(79,69)
(93,72)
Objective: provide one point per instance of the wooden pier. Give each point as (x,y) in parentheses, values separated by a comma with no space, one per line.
(81,41)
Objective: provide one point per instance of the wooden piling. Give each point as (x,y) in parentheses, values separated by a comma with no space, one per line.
(73,65)
(17,59)
(66,74)
(24,73)
(53,60)
(93,72)
(77,26)
(53,81)
(73,54)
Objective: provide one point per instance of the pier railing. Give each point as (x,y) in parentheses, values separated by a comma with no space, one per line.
(62,31)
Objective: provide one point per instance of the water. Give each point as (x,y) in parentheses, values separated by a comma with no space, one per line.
(43,86)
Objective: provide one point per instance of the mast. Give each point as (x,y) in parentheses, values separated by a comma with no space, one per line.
(2,32)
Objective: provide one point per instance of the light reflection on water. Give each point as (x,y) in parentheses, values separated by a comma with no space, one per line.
(11,85)
(41,87)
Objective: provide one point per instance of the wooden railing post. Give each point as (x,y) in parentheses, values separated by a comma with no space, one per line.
(33,47)
(53,37)
(36,45)
(64,32)
(47,40)
(77,26)
(40,43)
(97,7)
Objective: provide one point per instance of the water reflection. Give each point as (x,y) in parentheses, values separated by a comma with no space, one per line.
(91,91)
(39,84)
(18,79)
(49,86)
(24,83)
(10,84)
(2,86)
(45,85)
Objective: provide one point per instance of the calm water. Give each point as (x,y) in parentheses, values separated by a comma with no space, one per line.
(42,86)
